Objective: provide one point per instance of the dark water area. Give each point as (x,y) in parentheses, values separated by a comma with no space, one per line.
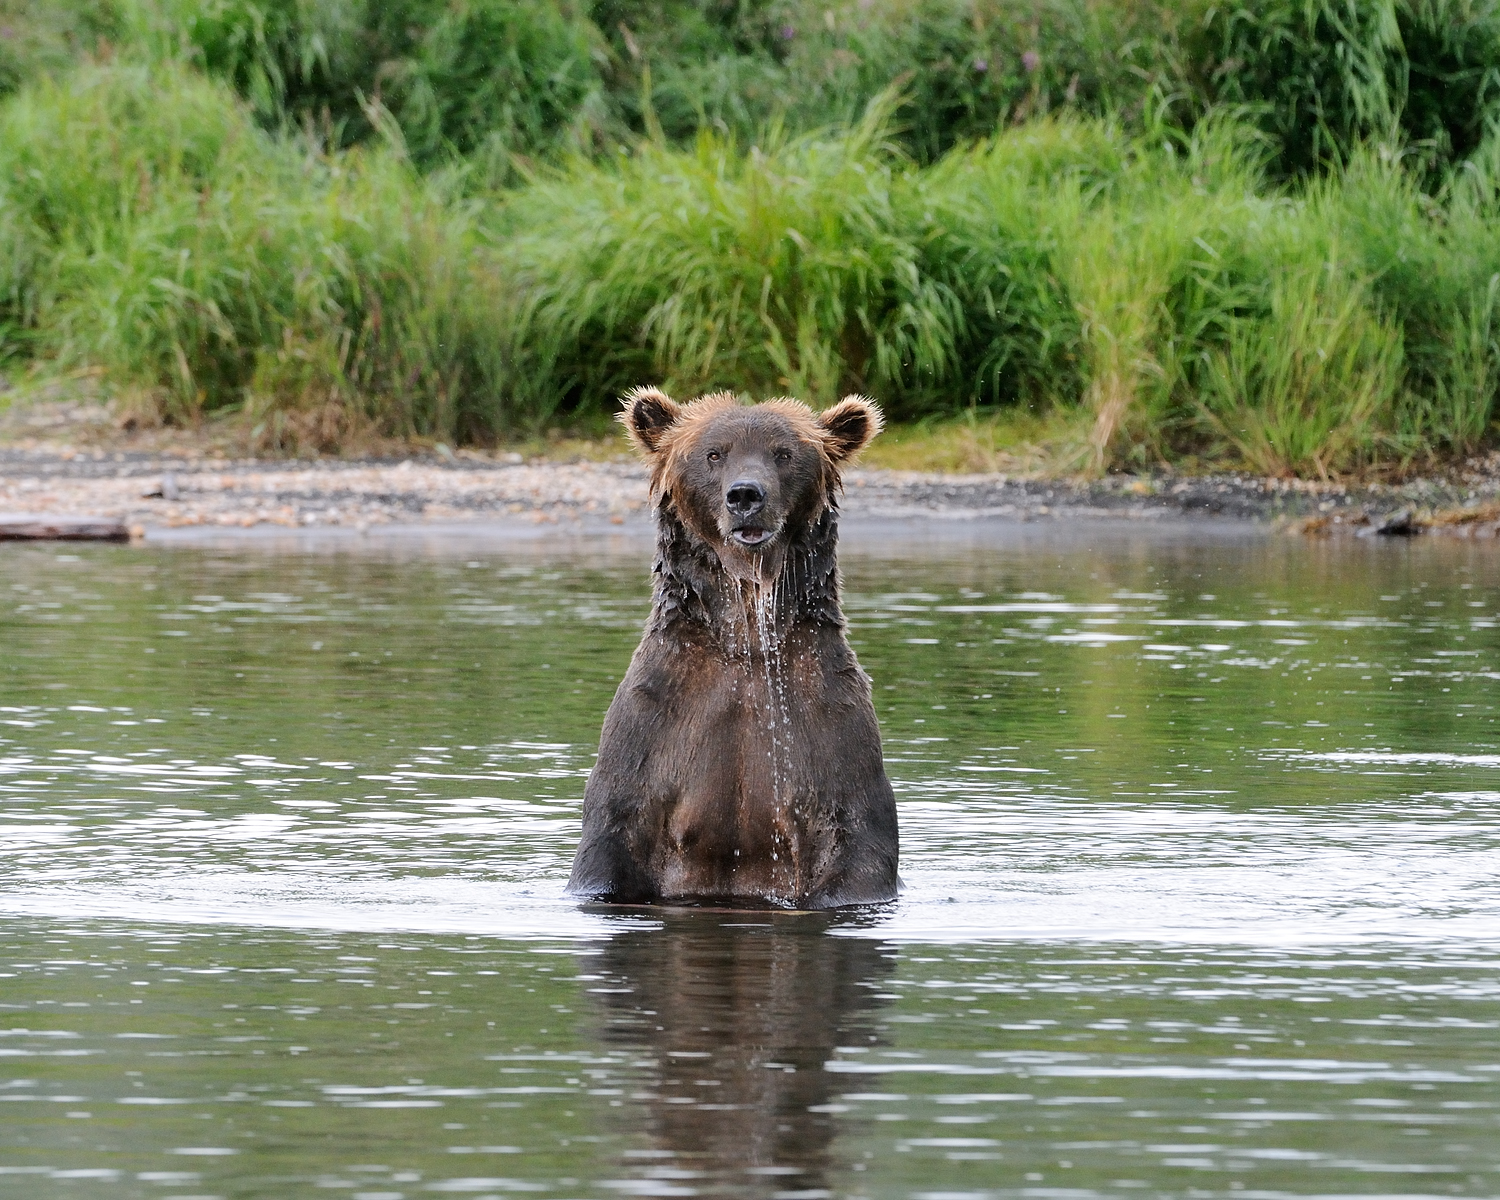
(1201,845)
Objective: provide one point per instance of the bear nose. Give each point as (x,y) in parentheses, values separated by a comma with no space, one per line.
(745,497)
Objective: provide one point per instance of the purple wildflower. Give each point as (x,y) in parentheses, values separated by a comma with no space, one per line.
(981,65)
(1031,60)
(788,33)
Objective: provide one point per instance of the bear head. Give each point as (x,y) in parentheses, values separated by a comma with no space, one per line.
(747,479)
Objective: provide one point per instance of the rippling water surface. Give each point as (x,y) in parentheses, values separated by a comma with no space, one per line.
(1201,839)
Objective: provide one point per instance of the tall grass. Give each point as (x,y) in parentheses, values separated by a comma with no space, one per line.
(290,210)
(514,81)
(154,231)
(1313,383)
(1158,290)
(782,268)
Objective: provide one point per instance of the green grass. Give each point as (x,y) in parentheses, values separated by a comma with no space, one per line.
(497,84)
(153,230)
(787,267)
(1057,234)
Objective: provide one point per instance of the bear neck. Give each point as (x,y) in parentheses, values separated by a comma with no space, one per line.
(693,588)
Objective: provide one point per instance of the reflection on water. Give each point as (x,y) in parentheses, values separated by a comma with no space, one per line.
(733,1018)
(1201,840)
(739,1060)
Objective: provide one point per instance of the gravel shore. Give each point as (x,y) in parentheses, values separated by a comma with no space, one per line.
(152,491)
(162,485)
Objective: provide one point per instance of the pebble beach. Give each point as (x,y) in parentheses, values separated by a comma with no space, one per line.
(172,484)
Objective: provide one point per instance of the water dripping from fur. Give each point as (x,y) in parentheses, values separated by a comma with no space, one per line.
(761,603)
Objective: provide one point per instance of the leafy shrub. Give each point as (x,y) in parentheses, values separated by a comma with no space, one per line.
(38,36)
(969,67)
(505,76)
(1321,76)
(509,76)
(299,60)
(1313,72)
(966,67)
(1448,78)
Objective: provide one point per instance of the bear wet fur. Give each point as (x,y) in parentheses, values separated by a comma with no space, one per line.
(740,760)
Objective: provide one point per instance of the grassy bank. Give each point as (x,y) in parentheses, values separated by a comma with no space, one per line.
(1063,234)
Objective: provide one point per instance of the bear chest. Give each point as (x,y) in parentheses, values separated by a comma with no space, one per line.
(741,750)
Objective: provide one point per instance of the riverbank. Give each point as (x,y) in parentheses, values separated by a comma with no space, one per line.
(171,479)
(1146,291)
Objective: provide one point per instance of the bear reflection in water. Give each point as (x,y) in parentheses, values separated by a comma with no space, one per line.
(740,760)
(733,1016)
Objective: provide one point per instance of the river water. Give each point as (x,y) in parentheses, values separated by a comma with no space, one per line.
(1201,846)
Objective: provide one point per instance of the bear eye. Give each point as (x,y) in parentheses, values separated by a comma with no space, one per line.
(783,456)
(714,456)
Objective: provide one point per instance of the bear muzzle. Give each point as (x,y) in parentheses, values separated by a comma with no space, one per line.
(745,501)
(751,535)
(753,550)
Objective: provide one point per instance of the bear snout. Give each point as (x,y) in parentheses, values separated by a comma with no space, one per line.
(745,498)
(749,523)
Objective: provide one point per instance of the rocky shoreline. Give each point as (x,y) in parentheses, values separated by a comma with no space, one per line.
(68,460)
(165,490)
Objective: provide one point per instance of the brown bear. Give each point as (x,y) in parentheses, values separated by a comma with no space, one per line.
(740,760)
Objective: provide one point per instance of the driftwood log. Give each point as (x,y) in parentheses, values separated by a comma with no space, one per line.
(43,527)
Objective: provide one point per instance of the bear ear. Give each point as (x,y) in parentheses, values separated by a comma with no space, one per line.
(849,426)
(648,414)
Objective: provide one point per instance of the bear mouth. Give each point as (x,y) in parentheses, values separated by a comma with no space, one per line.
(751,535)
